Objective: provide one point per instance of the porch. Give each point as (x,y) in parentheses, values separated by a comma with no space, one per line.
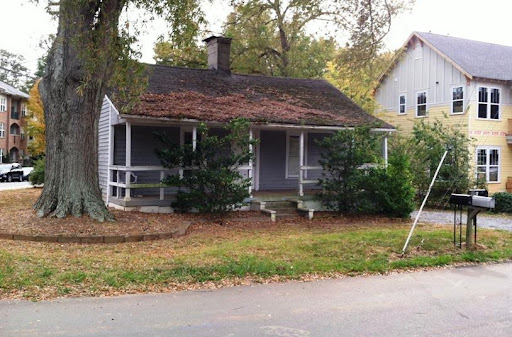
(285,166)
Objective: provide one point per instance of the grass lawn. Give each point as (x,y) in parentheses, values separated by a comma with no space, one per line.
(213,255)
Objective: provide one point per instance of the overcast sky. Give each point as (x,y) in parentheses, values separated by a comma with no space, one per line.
(24,24)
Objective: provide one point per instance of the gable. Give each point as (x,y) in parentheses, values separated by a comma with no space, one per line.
(418,68)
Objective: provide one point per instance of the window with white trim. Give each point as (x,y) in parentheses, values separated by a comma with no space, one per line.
(1,155)
(2,130)
(292,156)
(402,103)
(457,100)
(23,110)
(489,103)
(488,164)
(3,103)
(22,133)
(421,104)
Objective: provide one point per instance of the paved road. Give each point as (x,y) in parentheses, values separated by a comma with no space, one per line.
(474,301)
(4,186)
(485,221)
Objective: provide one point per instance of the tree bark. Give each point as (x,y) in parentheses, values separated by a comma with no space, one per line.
(78,69)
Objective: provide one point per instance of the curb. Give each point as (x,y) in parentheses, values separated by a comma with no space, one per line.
(90,239)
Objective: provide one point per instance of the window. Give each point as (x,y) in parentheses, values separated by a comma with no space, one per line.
(488,164)
(2,130)
(23,110)
(3,103)
(22,134)
(293,156)
(457,100)
(488,103)
(421,105)
(402,103)
(1,155)
(15,129)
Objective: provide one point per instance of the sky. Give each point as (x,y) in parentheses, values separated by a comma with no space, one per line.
(27,23)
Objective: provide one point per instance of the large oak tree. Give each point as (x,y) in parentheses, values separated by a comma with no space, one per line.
(91,51)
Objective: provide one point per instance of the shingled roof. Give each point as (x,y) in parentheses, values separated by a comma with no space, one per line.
(182,93)
(477,59)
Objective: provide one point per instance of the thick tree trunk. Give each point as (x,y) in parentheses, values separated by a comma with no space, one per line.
(72,92)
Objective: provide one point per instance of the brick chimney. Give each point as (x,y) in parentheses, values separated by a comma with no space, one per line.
(219,49)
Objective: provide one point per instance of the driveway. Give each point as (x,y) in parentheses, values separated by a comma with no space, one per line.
(494,221)
(471,301)
(4,186)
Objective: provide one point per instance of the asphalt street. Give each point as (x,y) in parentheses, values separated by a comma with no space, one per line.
(470,301)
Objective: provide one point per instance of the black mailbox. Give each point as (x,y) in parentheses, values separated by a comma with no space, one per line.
(461,199)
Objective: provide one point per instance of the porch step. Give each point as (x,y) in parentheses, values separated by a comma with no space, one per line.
(279,204)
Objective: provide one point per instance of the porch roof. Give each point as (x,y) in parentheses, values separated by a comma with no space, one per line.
(200,94)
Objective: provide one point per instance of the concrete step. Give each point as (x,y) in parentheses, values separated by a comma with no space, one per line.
(284,210)
(279,204)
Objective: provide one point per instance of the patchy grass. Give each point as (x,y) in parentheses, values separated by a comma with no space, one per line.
(214,255)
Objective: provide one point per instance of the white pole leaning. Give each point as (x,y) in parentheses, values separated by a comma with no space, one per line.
(424,201)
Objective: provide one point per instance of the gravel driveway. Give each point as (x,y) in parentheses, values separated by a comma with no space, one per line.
(484,220)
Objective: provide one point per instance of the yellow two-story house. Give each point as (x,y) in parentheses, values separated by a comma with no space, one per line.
(470,82)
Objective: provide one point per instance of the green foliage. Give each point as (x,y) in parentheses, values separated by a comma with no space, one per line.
(271,37)
(357,75)
(12,70)
(350,188)
(211,182)
(503,202)
(37,175)
(426,148)
(343,180)
(391,187)
(190,56)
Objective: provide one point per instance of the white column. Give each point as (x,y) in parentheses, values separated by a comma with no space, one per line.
(301,163)
(194,138)
(385,150)
(162,192)
(128,158)
(250,172)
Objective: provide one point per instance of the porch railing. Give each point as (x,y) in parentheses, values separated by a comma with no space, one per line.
(302,177)
(115,180)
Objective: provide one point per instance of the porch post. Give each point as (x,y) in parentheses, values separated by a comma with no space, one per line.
(250,173)
(162,192)
(301,163)
(194,138)
(385,150)
(128,158)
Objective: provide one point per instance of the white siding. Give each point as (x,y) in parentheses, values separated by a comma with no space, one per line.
(419,69)
(103,145)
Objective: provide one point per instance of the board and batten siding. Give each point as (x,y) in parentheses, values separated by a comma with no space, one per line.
(103,145)
(421,69)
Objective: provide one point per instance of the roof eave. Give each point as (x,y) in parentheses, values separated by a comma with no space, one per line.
(270,124)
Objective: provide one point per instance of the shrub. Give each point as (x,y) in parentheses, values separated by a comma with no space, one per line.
(343,181)
(211,182)
(425,148)
(391,187)
(37,175)
(503,202)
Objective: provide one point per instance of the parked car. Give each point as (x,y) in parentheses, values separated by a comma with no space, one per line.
(26,172)
(11,172)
